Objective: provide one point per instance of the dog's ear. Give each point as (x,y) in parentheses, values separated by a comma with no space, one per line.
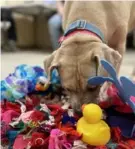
(51,63)
(111,56)
(48,61)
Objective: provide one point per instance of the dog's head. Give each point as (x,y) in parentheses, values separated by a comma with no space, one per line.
(76,61)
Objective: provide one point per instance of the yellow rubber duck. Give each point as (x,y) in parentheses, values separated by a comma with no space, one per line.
(94,130)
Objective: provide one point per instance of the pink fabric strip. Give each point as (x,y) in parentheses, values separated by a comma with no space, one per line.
(76,31)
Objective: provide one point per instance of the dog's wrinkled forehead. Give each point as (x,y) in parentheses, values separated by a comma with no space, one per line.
(75,71)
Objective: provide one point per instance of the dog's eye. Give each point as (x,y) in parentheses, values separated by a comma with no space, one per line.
(96,60)
(92,88)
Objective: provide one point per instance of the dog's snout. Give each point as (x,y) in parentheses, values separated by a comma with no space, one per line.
(77,107)
(77,99)
(76,104)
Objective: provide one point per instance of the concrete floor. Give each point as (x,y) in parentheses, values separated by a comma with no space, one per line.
(9,60)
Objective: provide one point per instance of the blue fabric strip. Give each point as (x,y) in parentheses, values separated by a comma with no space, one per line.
(82,24)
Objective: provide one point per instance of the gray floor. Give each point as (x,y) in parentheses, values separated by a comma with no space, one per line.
(9,60)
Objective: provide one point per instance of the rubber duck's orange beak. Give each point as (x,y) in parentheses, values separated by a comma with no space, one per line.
(83,106)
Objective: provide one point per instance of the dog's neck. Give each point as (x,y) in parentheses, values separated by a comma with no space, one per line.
(79,43)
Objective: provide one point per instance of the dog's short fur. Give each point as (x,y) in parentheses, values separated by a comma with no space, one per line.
(79,56)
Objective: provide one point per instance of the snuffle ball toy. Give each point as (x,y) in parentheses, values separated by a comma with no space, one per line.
(28,122)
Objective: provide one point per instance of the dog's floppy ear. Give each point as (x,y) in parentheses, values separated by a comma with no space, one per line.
(111,56)
(51,63)
(48,61)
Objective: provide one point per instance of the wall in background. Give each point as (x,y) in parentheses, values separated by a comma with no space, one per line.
(19,2)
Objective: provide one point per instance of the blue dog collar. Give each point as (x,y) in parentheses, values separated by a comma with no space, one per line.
(82,24)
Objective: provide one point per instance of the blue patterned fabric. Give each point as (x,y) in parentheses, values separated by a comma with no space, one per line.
(21,82)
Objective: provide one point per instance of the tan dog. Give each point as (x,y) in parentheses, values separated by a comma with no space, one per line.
(79,56)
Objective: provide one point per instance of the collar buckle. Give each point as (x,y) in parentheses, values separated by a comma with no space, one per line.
(81,24)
